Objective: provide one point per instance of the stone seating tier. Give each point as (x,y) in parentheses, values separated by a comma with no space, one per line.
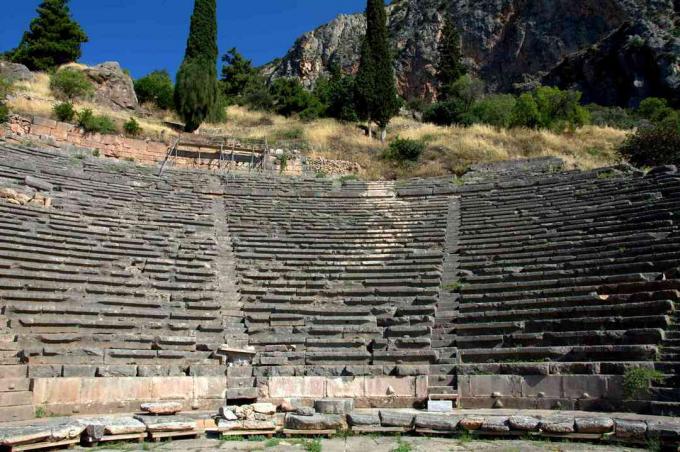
(532,271)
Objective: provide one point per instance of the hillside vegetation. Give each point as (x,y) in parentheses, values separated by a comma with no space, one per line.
(449,150)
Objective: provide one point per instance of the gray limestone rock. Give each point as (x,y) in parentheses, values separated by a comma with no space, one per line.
(315,422)
(594,424)
(396,419)
(630,429)
(334,406)
(558,424)
(524,423)
(441,422)
(364,419)
(497,424)
(305,411)
(166,423)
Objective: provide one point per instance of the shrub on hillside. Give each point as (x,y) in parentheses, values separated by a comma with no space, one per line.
(291,97)
(156,88)
(652,108)
(560,109)
(64,111)
(404,150)
(132,127)
(652,146)
(617,117)
(4,113)
(5,90)
(69,84)
(525,112)
(495,110)
(92,123)
(460,97)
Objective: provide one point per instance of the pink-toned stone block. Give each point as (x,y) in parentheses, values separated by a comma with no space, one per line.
(421,387)
(210,387)
(114,390)
(282,387)
(346,387)
(172,388)
(48,391)
(390,386)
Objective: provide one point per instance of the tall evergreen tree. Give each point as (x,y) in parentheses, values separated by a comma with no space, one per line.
(451,67)
(376,91)
(196,87)
(237,73)
(53,38)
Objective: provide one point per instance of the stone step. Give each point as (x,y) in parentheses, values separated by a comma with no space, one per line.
(16,413)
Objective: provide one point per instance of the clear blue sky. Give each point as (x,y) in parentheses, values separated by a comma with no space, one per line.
(144,35)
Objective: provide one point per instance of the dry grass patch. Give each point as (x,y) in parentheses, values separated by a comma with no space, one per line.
(450,150)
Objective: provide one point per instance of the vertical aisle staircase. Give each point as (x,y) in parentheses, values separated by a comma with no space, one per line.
(442,379)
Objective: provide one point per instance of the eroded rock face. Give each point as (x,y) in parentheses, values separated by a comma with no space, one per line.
(113,87)
(14,72)
(510,43)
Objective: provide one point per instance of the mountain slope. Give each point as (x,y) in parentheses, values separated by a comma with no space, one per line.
(509,43)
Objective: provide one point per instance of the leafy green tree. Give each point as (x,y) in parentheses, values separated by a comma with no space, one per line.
(654,145)
(560,109)
(156,88)
(525,112)
(495,110)
(196,88)
(456,109)
(376,93)
(290,97)
(257,95)
(336,93)
(53,38)
(237,73)
(451,67)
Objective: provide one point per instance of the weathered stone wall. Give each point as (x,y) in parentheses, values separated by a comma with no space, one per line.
(66,396)
(152,152)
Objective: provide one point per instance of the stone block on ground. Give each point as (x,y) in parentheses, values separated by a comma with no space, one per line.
(396,419)
(264,408)
(439,406)
(10,436)
(594,424)
(334,406)
(557,424)
(315,422)
(364,419)
(305,411)
(496,424)
(162,408)
(98,427)
(471,423)
(441,422)
(227,413)
(524,423)
(630,429)
(664,431)
(171,423)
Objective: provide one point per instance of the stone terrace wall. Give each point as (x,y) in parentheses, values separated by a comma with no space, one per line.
(151,152)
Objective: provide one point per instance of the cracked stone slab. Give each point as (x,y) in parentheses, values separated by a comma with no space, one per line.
(162,408)
(166,423)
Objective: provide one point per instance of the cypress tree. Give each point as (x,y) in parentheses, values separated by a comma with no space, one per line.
(196,87)
(376,91)
(53,38)
(450,67)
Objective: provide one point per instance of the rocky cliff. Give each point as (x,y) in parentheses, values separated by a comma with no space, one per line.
(512,44)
